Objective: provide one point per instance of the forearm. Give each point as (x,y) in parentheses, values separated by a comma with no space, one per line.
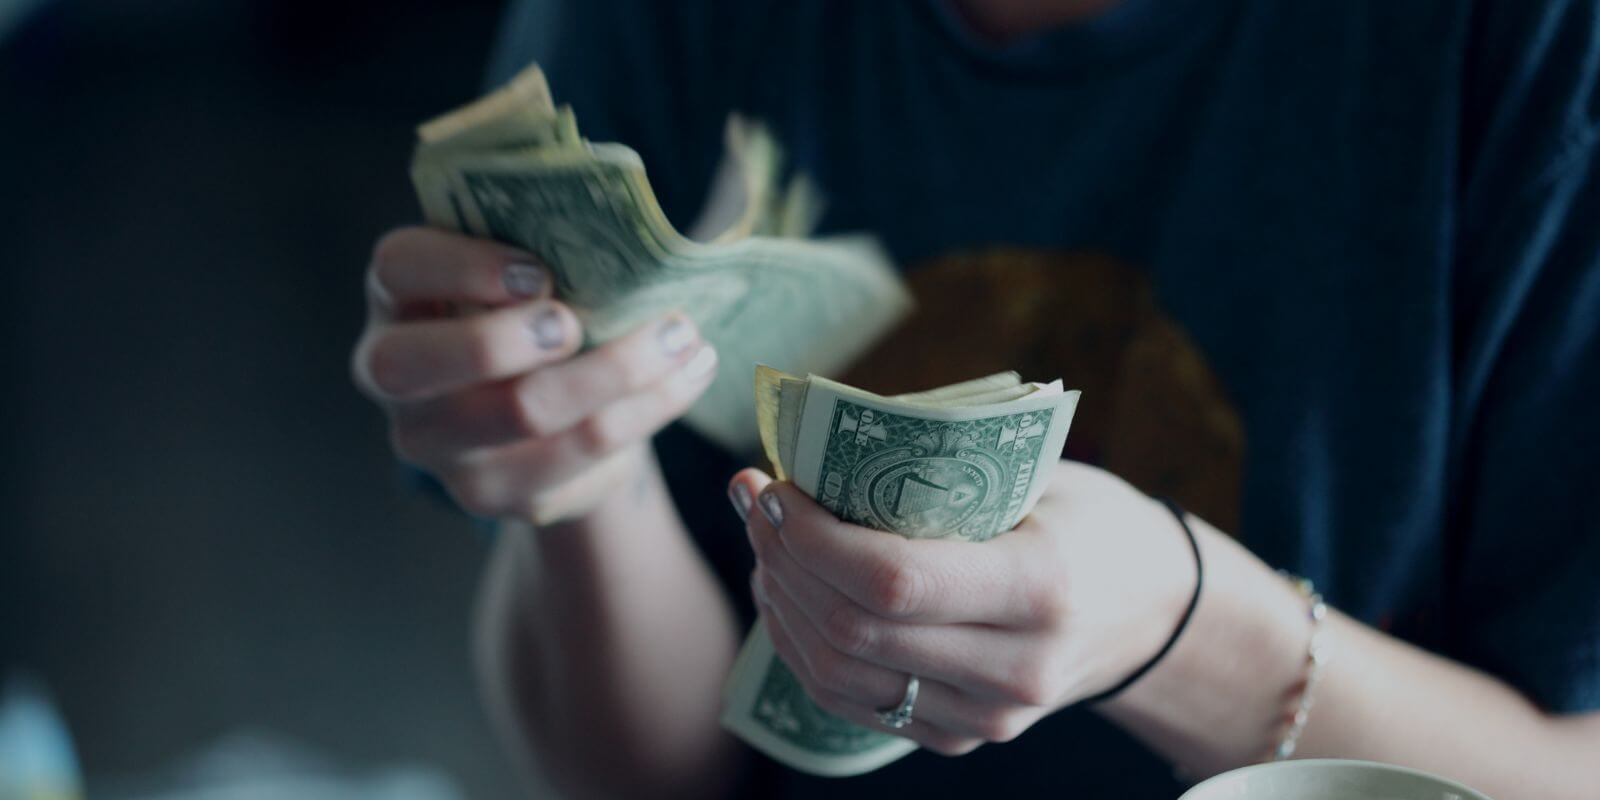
(1386,700)
(1218,699)
(603,644)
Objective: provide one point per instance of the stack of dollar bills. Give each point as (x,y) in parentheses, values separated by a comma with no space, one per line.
(513,167)
(966,461)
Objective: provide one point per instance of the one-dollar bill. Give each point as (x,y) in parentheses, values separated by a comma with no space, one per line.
(966,461)
(513,167)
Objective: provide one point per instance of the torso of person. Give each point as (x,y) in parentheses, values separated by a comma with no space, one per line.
(1270,243)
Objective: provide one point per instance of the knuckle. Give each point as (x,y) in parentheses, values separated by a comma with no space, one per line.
(1030,683)
(591,381)
(895,589)
(830,672)
(600,433)
(849,630)
(527,411)
(625,371)
(1046,604)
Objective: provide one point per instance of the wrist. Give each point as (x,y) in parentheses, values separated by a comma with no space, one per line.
(616,537)
(587,499)
(1214,701)
(1177,579)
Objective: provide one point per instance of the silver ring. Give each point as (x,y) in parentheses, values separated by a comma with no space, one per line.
(900,716)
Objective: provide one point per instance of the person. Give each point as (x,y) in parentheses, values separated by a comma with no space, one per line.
(1327,274)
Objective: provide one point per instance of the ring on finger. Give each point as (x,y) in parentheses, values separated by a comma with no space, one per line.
(899,716)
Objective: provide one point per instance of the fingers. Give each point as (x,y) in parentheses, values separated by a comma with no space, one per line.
(632,418)
(423,359)
(908,580)
(491,426)
(414,360)
(539,477)
(557,397)
(851,690)
(978,658)
(476,366)
(416,268)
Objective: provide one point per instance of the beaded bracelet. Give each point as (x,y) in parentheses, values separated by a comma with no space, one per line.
(1316,656)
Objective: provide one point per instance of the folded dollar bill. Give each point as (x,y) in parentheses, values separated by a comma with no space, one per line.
(966,461)
(513,167)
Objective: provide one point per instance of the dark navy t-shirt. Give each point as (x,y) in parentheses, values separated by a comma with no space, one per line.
(1329,273)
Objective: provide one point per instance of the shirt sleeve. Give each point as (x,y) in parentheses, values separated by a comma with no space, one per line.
(1525,535)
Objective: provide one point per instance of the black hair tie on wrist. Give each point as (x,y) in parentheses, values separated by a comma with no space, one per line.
(1183,622)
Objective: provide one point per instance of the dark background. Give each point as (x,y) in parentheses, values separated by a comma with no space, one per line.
(203,529)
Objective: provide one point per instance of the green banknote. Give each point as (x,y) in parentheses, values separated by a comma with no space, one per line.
(513,167)
(966,461)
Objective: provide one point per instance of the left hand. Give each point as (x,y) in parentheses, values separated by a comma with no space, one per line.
(1001,633)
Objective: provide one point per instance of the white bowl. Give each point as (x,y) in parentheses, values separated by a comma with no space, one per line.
(1329,779)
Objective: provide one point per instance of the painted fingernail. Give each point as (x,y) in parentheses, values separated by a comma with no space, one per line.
(549,331)
(524,280)
(772,509)
(739,494)
(675,336)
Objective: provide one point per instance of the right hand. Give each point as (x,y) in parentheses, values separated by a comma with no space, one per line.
(493,401)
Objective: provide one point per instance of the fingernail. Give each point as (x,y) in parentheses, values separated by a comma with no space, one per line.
(702,363)
(524,280)
(739,494)
(772,509)
(549,331)
(675,336)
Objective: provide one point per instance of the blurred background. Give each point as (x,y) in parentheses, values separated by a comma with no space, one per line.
(206,551)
